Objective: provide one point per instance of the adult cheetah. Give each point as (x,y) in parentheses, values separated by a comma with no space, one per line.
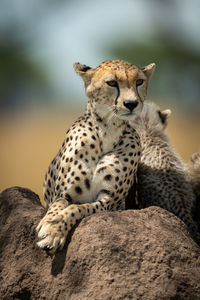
(94,169)
(162,176)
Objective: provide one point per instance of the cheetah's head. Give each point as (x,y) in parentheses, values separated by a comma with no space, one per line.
(116,87)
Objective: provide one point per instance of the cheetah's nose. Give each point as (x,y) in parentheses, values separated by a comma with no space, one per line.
(130,104)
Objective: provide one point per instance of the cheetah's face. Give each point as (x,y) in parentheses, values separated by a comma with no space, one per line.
(116,87)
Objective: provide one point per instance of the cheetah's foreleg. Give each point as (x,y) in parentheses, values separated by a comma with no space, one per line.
(52,232)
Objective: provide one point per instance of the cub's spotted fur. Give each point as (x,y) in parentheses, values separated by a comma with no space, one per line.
(94,169)
(194,177)
(162,176)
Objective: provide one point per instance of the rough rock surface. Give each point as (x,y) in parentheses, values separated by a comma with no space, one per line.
(133,254)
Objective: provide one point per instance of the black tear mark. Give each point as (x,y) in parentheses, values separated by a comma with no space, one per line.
(138,94)
(118,93)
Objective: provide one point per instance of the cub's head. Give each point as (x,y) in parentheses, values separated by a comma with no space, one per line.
(116,87)
(151,119)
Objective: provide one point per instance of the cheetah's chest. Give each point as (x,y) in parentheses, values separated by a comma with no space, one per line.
(79,168)
(90,159)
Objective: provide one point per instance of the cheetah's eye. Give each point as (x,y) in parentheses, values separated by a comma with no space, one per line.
(112,83)
(139,82)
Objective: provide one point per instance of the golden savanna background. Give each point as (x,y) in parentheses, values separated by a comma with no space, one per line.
(40,94)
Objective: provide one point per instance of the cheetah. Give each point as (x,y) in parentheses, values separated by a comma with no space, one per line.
(162,176)
(94,169)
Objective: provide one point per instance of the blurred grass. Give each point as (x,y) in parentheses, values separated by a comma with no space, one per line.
(29,143)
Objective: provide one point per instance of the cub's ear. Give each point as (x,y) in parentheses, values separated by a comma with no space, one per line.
(164,115)
(148,70)
(84,71)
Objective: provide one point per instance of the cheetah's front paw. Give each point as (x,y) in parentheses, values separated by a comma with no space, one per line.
(52,233)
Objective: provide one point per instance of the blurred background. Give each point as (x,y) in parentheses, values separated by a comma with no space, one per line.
(40,94)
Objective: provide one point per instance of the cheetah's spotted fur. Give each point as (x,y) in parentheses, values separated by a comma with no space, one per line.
(162,176)
(94,169)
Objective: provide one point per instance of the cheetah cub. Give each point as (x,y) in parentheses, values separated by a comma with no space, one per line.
(194,177)
(94,169)
(162,176)
(194,173)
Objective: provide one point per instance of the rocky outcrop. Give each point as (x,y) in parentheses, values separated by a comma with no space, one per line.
(132,254)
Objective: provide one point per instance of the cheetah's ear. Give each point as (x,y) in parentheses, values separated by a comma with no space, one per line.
(81,69)
(164,115)
(84,71)
(149,69)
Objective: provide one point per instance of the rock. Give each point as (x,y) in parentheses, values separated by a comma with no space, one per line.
(132,254)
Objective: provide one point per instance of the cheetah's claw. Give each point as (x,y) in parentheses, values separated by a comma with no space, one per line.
(51,234)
